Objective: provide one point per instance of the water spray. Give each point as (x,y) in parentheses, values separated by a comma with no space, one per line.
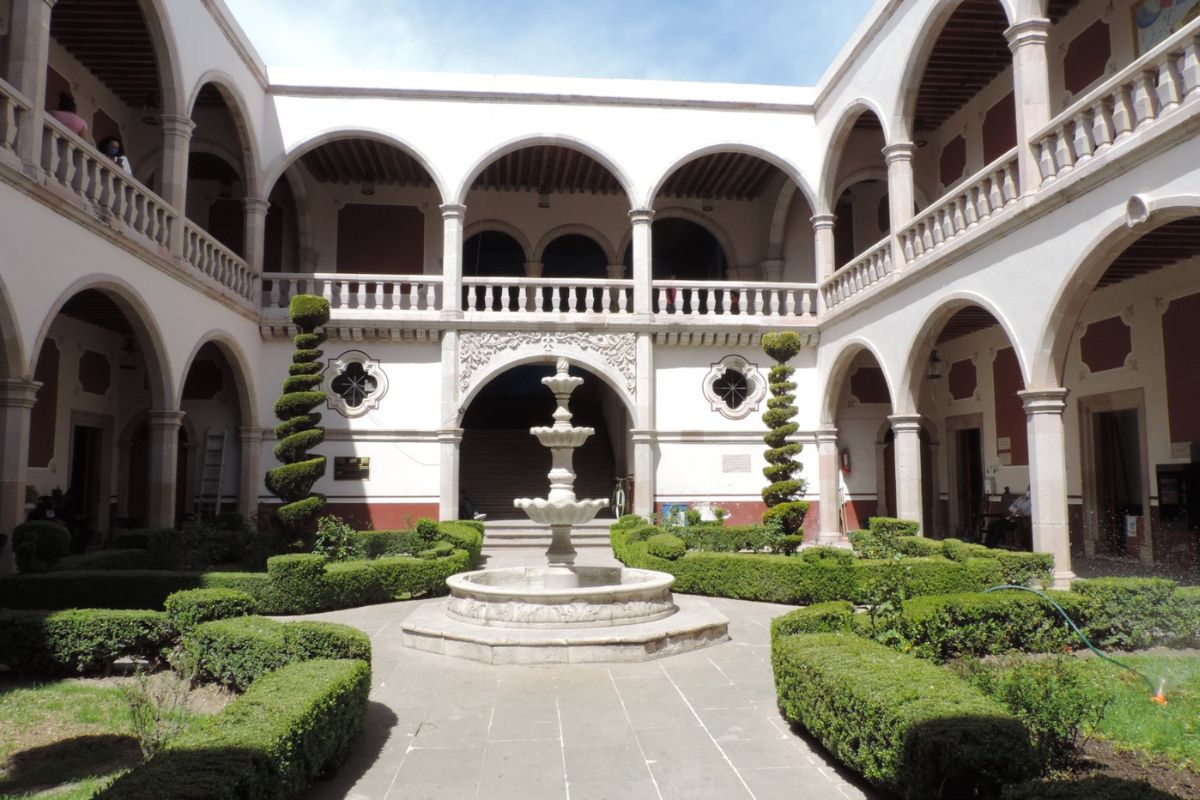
(1156,694)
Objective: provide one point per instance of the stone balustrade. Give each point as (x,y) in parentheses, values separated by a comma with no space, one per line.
(734,299)
(547,295)
(217,262)
(861,273)
(12,105)
(73,165)
(357,292)
(1134,99)
(975,200)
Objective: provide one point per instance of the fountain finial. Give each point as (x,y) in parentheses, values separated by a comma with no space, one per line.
(563,365)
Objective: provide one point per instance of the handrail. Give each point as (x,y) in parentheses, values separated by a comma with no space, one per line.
(855,276)
(211,258)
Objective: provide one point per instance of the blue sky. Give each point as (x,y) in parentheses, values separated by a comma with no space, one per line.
(740,41)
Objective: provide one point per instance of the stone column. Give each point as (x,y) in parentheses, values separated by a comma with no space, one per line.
(177,139)
(28,54)
(830,509)
(823,252)
(907,449)
(16,404)
(533,269)
(452,247)
(772,270)
(250,481)
(1031,93)
(899,158)
(644,429)
(1048,478)
(449,434)
(164,458)
(643,267)
(256,232)
(616,272)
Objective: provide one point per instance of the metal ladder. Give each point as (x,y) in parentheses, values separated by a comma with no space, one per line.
(212,470)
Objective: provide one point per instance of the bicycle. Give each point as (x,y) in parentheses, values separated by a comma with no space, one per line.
(619,497)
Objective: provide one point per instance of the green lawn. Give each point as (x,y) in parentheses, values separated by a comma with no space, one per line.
(1132,721)
(64,740)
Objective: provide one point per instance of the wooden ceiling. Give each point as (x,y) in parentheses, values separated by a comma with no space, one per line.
(969,53)
(720,176)
(1174,242)
(110,38)
(965,321)
(547,168)
(364,161)
(94,307)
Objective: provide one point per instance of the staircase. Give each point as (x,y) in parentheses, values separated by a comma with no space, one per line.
(498,465)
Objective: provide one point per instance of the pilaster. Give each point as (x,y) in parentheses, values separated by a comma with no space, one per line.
(830,516)
(452,246)
(907,446)
(643,266)
(1048,478)
(17,398)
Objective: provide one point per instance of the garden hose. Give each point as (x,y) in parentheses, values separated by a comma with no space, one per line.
(1156,693)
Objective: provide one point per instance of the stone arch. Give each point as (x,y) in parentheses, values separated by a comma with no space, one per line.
(906,400)
(839,372)
(790,170)
(701,219)
(146,330)
(574,229)
(1142,215)
(837,140)
(778,230)
(500,226)
(170,74)
(12,358)
(242,121)
(559,140)
(238,364)
(929,31)
(292,156)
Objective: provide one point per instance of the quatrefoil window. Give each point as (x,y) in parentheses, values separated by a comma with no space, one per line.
(734,387)
(355,383)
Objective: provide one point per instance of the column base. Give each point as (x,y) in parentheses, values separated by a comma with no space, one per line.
(829,537)
(1063,579)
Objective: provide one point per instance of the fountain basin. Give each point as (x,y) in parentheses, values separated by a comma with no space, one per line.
(533,597)
(570,512)
(562,437)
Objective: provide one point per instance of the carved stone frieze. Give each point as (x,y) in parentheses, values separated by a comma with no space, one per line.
(477,350)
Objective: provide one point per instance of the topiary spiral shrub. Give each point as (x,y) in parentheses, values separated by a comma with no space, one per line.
(780,494)
(299,429)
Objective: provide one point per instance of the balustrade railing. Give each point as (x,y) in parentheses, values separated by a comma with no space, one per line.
(216,261)
(359,292)
(1129,102)
(861,273)
(987,192)
(12,105)
(734,298)
(548,295)
(76,166)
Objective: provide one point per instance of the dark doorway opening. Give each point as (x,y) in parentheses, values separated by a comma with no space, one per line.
(1118,477)
(86,487)
(971,506)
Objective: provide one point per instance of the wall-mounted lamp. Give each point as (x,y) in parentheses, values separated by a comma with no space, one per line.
(708,203)
(543,197)
(368,189)
(935,367)
(128,356)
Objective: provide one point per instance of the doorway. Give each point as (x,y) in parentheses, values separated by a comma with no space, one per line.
(1115,487)
(87,449)
(969,496)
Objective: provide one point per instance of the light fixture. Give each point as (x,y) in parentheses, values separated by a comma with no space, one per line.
(368,189)
(128,357)
(543,197)
(935,367)
(708,203)
(921,142)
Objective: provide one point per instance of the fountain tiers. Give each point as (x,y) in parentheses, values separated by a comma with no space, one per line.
(562,613)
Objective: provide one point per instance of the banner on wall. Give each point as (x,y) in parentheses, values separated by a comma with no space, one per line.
(1155,20)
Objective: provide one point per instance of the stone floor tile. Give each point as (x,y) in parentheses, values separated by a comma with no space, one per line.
(791,783)
(454,729)
(621,761)
(766,753)
(515,729)
(736,723)
(724,696)
(441,765)
(530,761)
(677,745)
(614,790)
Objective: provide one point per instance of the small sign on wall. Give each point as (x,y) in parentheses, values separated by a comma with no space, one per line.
(351,468)
(1004,443)
(1005,459)
(735,463)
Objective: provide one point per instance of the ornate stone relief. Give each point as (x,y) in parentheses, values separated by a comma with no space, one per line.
(354,383)
(477,350)
(734,399)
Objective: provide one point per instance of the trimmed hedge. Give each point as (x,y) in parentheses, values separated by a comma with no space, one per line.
(666,545)
(189,608)
(796,581)
(831,617)
(107,559)
(919,546)
(38,543)
(235,652)
(1129,613)
(81,640)
(902,723)
(291,725)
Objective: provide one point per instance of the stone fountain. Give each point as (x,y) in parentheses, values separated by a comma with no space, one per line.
(562,612)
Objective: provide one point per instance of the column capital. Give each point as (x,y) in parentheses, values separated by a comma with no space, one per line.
(899,152)
(1044,401)
(641,215)
(257,205)
(826,436)
(177,125)
(450,435)
(908,423)
(250,435)
(453,211)
(820,221)
(1028,32)
(161,419)
(643,436)
(616,272)
(18,393)
(50,3)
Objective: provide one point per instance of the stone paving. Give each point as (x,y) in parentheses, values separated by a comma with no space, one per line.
(697,725)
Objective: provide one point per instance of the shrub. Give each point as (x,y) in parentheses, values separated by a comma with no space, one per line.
(373,544)
(782,466)
(335,538)
(403,577)
(902,723)
(299,429)
(837,615)
(882,537)
(296,577)
(189,608)
(666,545)
(46,540)
(892,528)
(107,559)
(1128,613)
(439,550)
(788,517)
(958,550)
(1187,617)
(427,529)
(80,640)
(235,652)
(918,546)
(1097,787)
(1051,697)
(1023,569)
(629,521)
(347,584)
(833,555)
(268,744)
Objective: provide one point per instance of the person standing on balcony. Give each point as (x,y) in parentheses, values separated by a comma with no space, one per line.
(672,292)
(111,146)
(65,113)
